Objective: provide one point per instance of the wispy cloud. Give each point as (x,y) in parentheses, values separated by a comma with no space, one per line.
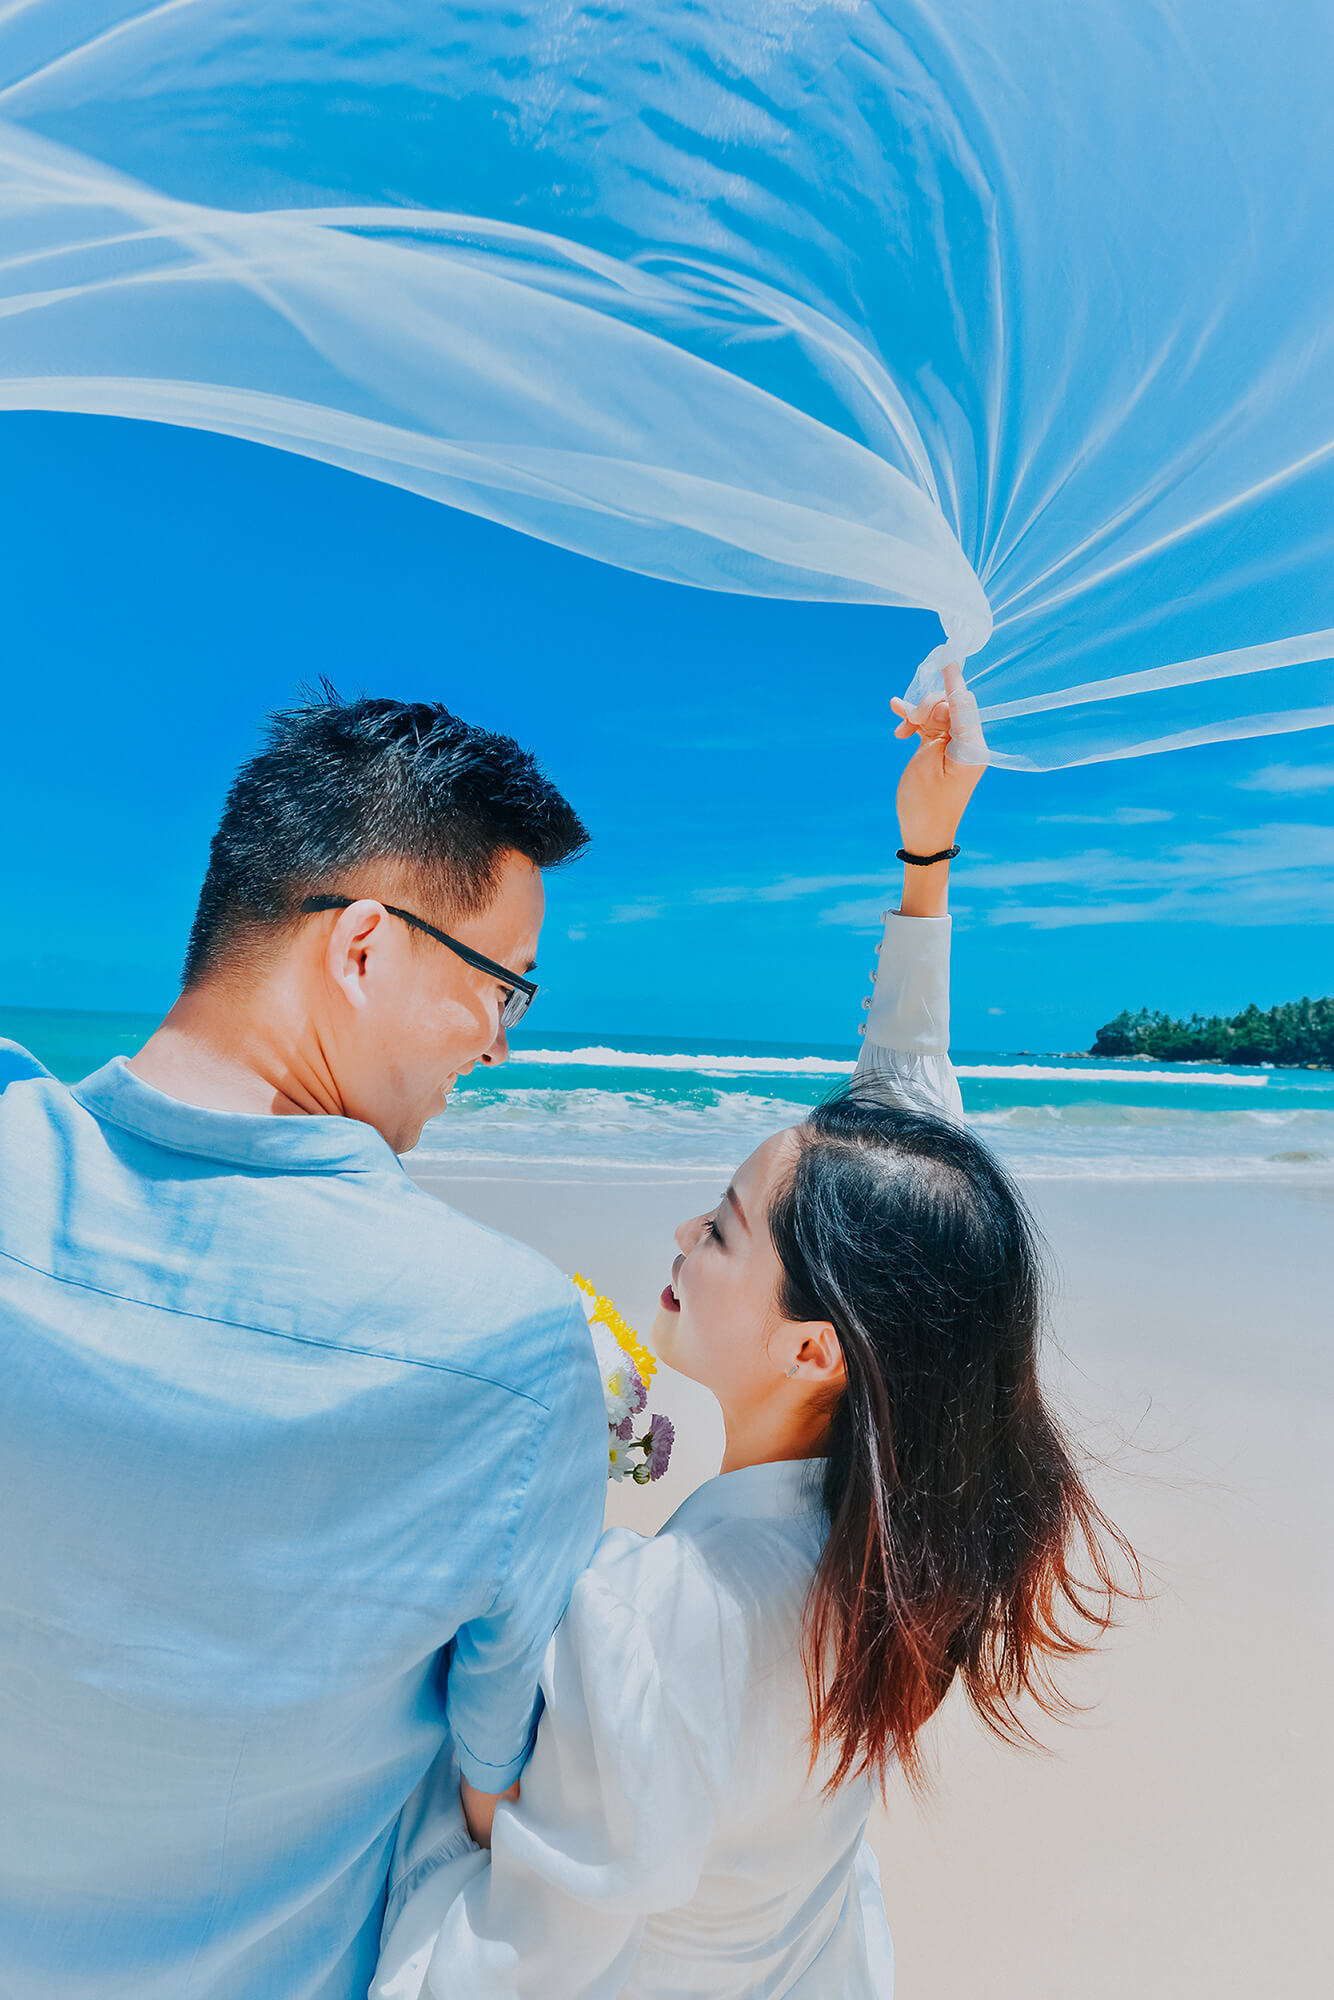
(792,886)
(1122,816)
(1289,778)
(710,897)
(789,888)
(1279,873)
(1282,872)
(863,913)
(1288,901)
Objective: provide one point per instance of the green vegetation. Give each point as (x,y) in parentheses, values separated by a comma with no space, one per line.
(1300,1034)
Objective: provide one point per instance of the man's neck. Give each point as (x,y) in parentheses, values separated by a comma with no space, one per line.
(218,1055)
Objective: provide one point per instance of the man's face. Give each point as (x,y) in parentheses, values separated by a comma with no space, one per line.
(406,1016)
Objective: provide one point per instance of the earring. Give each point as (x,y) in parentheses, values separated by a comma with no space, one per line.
(792,1370)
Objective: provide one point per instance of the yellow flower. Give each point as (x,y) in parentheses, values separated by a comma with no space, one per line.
(620,1330)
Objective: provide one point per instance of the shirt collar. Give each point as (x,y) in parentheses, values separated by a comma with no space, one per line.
(757,1492)
(292,1144)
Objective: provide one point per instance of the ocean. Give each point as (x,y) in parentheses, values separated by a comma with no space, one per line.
(589,1107)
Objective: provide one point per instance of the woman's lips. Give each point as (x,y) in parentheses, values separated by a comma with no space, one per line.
(669,1301)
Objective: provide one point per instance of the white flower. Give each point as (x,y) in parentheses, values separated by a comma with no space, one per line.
(626,1371)
(622,1390)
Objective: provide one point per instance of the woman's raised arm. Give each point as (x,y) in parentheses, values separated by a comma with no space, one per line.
(905,1055)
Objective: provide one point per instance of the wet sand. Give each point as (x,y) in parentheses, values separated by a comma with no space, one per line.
(1178,1840)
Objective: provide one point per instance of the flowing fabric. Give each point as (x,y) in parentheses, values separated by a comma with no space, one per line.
(1019,314)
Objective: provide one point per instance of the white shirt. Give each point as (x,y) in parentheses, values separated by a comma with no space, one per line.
(670,1841)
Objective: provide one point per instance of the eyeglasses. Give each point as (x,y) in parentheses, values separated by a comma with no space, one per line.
(521,992)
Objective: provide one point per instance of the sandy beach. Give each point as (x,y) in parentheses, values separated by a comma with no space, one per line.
(1177,1842)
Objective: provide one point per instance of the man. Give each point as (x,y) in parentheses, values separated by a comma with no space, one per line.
(297,1465)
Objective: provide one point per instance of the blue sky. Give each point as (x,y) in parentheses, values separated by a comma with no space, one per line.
(734,757)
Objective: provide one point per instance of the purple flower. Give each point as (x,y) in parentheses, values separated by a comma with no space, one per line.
(658,1445)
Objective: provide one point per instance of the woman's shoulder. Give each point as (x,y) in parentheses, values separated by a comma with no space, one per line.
(650,1580)
(714,1576)
(652,1660)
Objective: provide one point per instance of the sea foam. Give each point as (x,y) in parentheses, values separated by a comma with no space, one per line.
(576,1131)
(707,1065)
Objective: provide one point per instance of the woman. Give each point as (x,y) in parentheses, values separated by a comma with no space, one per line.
(896,1509)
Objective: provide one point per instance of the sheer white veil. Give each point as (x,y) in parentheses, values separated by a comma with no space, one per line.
(1022,315)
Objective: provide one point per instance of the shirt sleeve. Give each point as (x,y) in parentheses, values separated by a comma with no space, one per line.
(905,1056)
(560,1456)
(644,1685)
(16,1065)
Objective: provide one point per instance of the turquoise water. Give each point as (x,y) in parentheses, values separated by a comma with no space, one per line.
(597,1106)
(72,1043)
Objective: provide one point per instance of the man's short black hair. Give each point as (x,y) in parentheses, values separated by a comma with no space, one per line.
(341,785)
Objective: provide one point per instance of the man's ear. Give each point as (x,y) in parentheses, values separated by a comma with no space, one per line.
(348,946)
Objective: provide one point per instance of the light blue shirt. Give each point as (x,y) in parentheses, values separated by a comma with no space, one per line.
(297,1467)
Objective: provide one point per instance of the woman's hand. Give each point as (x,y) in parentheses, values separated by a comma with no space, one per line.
(479,1809)
(936,786)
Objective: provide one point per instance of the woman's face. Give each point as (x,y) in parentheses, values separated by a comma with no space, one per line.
(720,1321)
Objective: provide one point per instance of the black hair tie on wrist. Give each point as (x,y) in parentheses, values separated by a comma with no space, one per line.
(925,860)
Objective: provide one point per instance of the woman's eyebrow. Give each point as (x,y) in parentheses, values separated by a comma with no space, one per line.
(740,1211)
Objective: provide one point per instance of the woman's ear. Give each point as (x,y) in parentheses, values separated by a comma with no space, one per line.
(819,1359)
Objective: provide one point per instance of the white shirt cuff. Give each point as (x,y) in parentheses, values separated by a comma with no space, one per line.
(910,1007)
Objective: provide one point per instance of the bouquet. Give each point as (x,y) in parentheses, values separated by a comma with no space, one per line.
(639,1443)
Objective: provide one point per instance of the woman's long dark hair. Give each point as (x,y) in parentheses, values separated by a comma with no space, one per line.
(962,1540)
